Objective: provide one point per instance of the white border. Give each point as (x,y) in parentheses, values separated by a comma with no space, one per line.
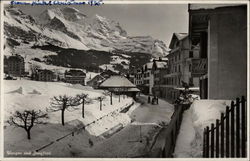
(2,2)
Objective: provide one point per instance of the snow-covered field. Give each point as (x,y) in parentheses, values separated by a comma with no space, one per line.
(201,114)
(25,94)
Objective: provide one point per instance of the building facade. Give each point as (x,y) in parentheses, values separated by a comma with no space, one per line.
(185,65)
(14,65)
(147,78)
(45,75)
(159,70)
(221,33)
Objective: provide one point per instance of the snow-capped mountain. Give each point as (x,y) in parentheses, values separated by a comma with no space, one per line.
(69,28)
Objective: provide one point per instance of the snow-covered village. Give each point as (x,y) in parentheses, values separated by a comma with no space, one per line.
(95,82)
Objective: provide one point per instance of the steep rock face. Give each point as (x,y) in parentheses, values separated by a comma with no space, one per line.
(69,28)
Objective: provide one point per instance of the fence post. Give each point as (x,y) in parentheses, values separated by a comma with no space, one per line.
(227,131)
(217,138)
(222,134)
(212,141)
(232,129)
(204,143)
(207,142)
(243,127)
(237,127)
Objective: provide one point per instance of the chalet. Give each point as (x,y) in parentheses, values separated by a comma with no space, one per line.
(96,81)
(221,33)
(14,65)
(75,77)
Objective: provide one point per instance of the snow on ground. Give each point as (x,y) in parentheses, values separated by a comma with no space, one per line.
(25,94)
(201,114)
(126,142)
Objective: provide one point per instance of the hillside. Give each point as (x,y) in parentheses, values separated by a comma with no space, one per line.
(69,34)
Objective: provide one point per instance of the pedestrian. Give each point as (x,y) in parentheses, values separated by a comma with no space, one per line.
(157,100)
(149,99)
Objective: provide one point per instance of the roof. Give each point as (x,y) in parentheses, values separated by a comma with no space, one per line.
(161,64)
(133,90)
(73,72)
(117,82)
(149,65)
(177,37)
(210,6)
(181,36)
(15,58)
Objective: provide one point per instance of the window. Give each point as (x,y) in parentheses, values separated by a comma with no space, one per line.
(191,54)
(179,68)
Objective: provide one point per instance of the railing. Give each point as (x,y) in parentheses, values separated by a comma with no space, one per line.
(173,130)
(227,138)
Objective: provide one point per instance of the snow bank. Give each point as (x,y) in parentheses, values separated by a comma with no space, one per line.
(201,114)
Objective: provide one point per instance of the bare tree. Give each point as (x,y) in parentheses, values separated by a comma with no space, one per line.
(27,119)
(83,99)
(101,98)
(62,103)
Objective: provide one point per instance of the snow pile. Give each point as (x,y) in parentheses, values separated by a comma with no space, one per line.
(18,91)
(201,114)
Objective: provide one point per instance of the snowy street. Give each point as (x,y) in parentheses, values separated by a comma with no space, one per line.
(134,140)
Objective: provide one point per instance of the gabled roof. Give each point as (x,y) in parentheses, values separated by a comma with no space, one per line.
(117,82)
(177,37)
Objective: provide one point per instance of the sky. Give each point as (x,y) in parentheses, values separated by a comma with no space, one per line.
(157,20)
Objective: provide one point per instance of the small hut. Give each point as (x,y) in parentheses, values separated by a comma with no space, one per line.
(119,85)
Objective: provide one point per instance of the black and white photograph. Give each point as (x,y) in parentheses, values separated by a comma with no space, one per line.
(97,79)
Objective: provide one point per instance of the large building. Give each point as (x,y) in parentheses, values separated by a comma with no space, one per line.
(185,65)
(75,77)
(45,75)
(14,65)
(221,33)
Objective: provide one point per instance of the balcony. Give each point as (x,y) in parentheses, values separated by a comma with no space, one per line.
(199,67)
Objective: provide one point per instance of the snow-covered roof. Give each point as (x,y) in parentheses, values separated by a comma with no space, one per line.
(181,36)
(117,82)
(210,6)
(149,65)
(161,64)
(133,90)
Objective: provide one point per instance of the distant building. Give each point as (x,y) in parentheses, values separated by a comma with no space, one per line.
(45,75)
(159,70)
(138,78)
(14,65)
(148,78)
(108,73)
(96,81)
(75,77)
(221,33)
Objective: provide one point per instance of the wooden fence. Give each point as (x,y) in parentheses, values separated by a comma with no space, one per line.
(228,136)
(173,130)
